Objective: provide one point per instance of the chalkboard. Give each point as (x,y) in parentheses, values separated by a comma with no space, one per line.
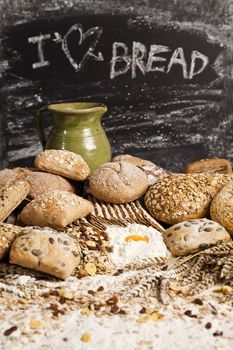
(164,69)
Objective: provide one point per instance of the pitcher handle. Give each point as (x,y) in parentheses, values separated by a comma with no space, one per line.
(39,126)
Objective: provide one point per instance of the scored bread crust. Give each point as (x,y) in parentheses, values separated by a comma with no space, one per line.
(181,197)
(221,209)
(151,170)
(118,182)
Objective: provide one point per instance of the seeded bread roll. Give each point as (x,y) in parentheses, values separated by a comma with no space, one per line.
(194,235)
(211,165)
(46,250)
(152,171)
(55,209)
(221,209)
(183,197)
(9,175)
(118,182)
(64,163)
(8,234)
(11,195)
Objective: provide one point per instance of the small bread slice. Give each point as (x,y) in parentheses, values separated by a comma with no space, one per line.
(11,195)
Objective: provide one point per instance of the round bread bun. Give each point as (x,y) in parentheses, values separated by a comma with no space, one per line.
(131,159)
(191,236)
(221,209)
(118,182)
(152,171)
(181,197)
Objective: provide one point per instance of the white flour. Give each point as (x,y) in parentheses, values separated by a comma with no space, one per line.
(135,241)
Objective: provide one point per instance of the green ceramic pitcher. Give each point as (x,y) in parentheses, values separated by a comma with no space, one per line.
(77,128)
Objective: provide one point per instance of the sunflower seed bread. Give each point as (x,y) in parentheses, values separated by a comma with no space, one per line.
(55,209)
(118,182)
(46,250)
(181,197)
(221,209)
(64,163)
(191,236)
(11,195)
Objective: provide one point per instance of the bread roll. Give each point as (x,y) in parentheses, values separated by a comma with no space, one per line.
(131,159)
(152,171)
(64,163)
(212,165)
(11,195)
(8,233)
(55,209)
(221,209)
(194,235)
(9,175)
(42,183)
(118,182)
(183,197)
(46,250)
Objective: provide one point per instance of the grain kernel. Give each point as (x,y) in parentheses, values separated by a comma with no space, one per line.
(86,337)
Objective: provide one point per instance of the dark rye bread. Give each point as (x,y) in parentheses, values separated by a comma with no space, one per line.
(183,197)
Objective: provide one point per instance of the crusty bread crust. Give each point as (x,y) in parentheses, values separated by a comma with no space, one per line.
(64,163)
(46,250)
(55,209)
(118,182)
(151,170)
(11,195)
(183,197)
(211,165)
(191,236)
(221,209)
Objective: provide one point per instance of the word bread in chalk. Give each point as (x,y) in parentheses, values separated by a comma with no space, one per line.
(141,59)
(150,61)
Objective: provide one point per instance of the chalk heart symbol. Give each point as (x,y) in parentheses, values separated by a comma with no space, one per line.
(97,31)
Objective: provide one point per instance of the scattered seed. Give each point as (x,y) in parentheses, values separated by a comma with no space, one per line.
(10,330)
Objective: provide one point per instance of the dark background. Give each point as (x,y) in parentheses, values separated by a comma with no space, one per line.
(158,116)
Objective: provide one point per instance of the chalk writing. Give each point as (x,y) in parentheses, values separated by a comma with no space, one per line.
(96,32)
(122,61)
(140,60)
(40,41)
